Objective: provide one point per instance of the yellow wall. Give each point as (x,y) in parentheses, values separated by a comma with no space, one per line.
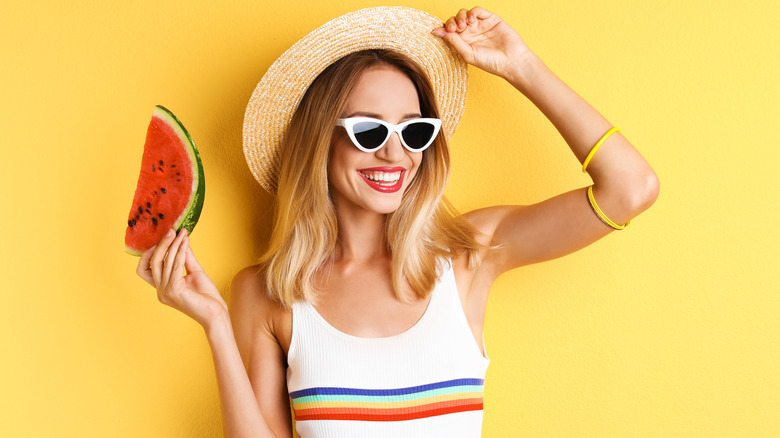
(667,329)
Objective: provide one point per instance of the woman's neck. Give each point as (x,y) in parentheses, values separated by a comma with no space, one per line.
(361,237)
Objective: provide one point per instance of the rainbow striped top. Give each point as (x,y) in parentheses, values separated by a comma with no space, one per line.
(426,381)
(440,398)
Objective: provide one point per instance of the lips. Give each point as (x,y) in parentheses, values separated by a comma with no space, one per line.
(383,179)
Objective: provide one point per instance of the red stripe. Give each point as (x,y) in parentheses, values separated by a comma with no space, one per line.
(397,414)
(392,411)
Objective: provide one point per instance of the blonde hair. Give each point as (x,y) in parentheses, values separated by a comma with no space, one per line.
(424,231)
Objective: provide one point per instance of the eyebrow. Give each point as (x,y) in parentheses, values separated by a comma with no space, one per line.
(377,116)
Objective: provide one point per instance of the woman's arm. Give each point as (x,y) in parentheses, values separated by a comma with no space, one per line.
(624,183)
(241,414)
(195,295)
(258,322)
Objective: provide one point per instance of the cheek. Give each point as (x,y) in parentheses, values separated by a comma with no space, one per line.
(341,157)
(336,153)
(417,165)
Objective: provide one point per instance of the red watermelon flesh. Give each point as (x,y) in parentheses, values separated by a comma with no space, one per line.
(171,185)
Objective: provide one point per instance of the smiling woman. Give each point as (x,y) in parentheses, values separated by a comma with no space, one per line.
(367,309)
(356,174)
(341,179)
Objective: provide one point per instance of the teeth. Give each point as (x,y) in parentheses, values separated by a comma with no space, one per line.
(382,176)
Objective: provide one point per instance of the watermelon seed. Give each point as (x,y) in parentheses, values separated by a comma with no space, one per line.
(140,209)
(130,223)
(162,189)
(173,165)
(149,204)
(147,210)
(155,192)
(152,167)
(161,162)
(138,216)
(177,173)
(177,179)
(154,221)
(134,222)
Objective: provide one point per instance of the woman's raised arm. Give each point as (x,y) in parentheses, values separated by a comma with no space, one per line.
(624,183)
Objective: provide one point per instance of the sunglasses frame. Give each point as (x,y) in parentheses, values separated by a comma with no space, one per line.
(349,124)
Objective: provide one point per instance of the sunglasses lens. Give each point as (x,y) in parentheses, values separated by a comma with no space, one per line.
(417,135)
(370,135)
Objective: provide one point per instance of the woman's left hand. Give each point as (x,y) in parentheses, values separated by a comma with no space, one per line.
(484,40)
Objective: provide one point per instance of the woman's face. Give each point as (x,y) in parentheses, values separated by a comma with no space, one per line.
(375,181)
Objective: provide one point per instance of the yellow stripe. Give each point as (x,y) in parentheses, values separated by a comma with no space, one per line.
(389,405)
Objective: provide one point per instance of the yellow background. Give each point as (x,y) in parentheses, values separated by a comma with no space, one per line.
(667,329)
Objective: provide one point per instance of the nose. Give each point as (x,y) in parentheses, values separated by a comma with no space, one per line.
(393,150)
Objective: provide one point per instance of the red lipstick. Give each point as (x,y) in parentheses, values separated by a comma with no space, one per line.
(381,187)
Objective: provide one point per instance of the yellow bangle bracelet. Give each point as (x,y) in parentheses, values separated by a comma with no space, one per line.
(601,214)
(596,147)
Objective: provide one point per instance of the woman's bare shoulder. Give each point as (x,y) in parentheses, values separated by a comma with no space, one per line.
(248,282)
(250,305)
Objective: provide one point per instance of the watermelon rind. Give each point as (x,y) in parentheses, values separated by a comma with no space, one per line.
(189,217)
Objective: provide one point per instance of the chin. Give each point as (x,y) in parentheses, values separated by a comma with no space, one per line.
(385,206)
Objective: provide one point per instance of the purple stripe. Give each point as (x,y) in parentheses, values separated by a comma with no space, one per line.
(399,391)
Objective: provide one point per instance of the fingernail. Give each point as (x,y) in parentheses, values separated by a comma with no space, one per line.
(170,233)
(438,32)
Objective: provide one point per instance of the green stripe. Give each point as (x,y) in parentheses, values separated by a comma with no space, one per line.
(389,398)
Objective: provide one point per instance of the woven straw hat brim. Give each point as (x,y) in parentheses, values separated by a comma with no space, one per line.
(281,89)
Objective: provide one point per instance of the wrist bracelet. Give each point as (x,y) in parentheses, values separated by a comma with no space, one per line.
(596,147)
(601,214)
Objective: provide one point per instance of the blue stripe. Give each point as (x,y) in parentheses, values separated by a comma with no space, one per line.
(452,390)
(399,391)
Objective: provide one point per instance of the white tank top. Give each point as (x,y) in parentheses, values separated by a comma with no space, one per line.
(425,382)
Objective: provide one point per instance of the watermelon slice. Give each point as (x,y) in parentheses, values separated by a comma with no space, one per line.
(171,186)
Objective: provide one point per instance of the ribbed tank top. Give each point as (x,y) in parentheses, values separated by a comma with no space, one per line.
(425,382)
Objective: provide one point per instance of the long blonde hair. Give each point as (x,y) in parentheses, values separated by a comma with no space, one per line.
(424,231)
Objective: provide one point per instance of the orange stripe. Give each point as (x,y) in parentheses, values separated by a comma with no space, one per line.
(398,414)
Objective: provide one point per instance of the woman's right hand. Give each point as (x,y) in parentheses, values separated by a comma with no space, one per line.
(164,267)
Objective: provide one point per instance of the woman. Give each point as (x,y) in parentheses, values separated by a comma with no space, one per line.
(367,310)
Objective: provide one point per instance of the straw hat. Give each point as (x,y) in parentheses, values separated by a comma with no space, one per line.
(400,29)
